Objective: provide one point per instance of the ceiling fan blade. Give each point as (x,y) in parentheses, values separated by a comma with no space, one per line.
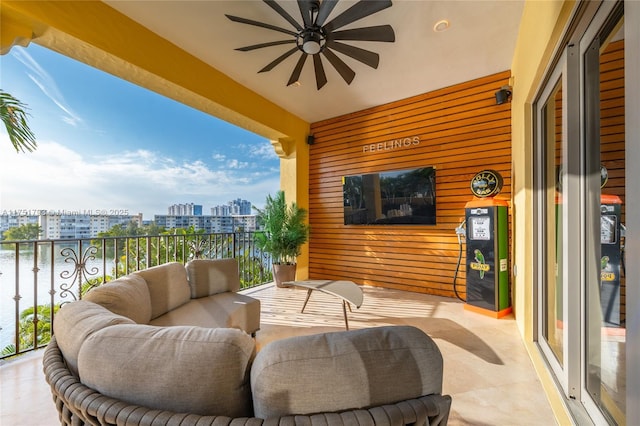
(325,10)
(275,6)
(260,24)
(343,69)
(295,75)
(261,45)
(378,33)
(358,11)
(279,59)
(321,77)
(306,8)
(365,56)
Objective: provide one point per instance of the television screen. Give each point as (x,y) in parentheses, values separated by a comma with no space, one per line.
(401,197)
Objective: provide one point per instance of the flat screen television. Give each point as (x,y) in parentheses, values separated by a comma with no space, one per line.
(399,197)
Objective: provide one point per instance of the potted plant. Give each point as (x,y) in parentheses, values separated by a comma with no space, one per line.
(282,233)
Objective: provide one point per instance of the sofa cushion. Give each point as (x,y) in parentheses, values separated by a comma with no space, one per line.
(344,370)
(212,276)
(127,296)
(76,321)
(168,287)
(182,369)
(230,310)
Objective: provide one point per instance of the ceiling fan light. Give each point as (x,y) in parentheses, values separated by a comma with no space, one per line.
(311,43)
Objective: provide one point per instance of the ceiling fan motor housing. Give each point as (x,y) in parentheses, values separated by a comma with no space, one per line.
(312,40)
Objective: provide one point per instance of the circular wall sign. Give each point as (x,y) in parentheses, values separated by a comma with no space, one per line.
(486,183)
(604,176)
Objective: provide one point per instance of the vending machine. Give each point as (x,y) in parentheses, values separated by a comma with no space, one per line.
(487,241)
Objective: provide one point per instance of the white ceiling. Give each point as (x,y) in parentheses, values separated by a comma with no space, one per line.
(480,41)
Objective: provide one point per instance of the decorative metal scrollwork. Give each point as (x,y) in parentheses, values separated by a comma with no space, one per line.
(199,249)
(80,272)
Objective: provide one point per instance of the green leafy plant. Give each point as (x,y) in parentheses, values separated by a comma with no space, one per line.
(29,231)
(34,330)
(13,115)
(283,229)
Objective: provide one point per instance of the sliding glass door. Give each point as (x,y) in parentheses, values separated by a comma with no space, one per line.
(551,169)
(605,192)
(581,197)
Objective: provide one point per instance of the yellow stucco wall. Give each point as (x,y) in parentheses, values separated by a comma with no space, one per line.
(100,36)
(540,31)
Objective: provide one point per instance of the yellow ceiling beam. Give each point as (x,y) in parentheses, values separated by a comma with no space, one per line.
(13,32)
(96,34)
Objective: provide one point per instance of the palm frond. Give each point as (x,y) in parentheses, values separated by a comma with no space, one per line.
(13,114)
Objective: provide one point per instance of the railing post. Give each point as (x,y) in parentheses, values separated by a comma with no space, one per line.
(234,244)
(148,254)
(78,266)
(158,247)
(35,318)
(138,253)
(52,288)
(116,258)
(184,248)
(17,298)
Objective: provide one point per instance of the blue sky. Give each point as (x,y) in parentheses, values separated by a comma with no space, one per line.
(106,144)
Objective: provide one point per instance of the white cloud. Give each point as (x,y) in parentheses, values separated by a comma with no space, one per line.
(56,178)
(264,150)
(235,164)
(47,84)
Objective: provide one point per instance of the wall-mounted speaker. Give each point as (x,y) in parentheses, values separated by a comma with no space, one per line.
(310,140)
(503,95)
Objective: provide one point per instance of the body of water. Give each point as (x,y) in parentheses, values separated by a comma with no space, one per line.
(53,273)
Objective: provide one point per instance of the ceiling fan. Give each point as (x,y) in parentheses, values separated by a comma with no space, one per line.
(315,37)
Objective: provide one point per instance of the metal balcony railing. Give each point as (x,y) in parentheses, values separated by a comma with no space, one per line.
(39,276)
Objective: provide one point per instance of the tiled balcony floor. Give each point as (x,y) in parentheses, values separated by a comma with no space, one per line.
(486,368)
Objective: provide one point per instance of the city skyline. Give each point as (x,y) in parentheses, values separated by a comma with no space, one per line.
(78,224)
(125,212)
(106,145)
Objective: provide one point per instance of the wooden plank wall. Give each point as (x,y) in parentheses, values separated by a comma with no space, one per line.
(462,131)
(612,134)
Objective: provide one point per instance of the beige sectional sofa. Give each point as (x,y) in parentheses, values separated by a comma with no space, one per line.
(201,293)
(115,359)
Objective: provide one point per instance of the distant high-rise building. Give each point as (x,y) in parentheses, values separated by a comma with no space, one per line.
(244,206)
(221,210)
(188,209)
(232,208)
(210,224)
(67,224)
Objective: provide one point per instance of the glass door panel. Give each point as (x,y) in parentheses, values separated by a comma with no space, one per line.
(552,174)
(605,312)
